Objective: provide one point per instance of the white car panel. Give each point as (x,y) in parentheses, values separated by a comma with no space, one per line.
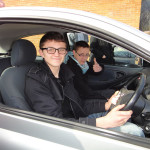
(24,130)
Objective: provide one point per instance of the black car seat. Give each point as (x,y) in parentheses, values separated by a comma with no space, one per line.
(100,48)
(4,63)
(12,80)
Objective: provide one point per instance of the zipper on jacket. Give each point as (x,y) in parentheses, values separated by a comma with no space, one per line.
(70,101)
(68,98)
(72,109)
(62,90)
(76,103)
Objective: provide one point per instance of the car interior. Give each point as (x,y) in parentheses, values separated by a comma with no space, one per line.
(18,52)
(13,78)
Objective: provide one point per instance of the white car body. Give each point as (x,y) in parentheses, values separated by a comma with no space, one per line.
(27,130)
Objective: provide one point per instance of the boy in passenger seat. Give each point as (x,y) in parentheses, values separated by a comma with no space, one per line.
(77,62)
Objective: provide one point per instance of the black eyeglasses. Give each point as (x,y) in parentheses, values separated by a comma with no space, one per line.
(82,55)
(52,50)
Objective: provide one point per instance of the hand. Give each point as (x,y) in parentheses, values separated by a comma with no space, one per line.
(114,118)
(103,56)
(113,100)
(96,66)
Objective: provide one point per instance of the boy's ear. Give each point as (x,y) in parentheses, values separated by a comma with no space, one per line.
(41,52)
(74,52)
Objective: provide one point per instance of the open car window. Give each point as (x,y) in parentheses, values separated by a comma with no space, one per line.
(105,52)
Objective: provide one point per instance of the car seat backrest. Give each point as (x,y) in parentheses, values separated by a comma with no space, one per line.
(12,81)
(4,63)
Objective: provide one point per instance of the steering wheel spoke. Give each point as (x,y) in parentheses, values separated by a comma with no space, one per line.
(130,97)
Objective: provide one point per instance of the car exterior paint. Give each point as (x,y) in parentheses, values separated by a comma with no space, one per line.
(27,130)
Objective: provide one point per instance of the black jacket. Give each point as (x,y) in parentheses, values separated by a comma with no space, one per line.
(100,48)
(81,81)
(58,97)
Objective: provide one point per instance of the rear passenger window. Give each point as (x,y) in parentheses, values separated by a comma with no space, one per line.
(105,52)
(75,37)
(112,54)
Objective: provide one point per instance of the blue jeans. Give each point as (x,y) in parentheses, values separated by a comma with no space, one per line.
(128,127)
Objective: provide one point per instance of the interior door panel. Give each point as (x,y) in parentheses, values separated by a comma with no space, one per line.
(113,76)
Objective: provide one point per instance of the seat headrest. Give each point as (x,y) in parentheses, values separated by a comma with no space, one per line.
(23,52)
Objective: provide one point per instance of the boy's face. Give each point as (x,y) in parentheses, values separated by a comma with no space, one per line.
(56,59)
(81,54)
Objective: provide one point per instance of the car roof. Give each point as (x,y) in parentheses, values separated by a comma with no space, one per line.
(64,14)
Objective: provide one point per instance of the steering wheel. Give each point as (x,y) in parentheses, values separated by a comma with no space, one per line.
(129,97)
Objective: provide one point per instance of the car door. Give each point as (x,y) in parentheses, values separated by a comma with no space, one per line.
(22,130)
(112,77)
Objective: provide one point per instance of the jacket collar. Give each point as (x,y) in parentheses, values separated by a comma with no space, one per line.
(65,73)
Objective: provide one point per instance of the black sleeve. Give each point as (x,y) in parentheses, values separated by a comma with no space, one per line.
(85,120)
(81,85)
(92,106)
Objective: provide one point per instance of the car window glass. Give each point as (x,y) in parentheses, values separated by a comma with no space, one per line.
(102,51)
(112,54)
(124,56)
(75,37)
(105,52)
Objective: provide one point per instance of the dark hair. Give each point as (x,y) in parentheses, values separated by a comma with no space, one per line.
(81,44)
(56,36)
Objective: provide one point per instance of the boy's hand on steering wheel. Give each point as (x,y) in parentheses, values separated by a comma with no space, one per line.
(112,100)
(114,118)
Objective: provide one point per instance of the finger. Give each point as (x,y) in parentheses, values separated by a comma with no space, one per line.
(95,62)
(123,122)
(103,56)
(116,93)
(114,97)
(97,68)
(117,108)
(114,100)
(126,113)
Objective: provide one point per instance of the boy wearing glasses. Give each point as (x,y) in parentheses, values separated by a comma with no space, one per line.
(50,91)
(77,62)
